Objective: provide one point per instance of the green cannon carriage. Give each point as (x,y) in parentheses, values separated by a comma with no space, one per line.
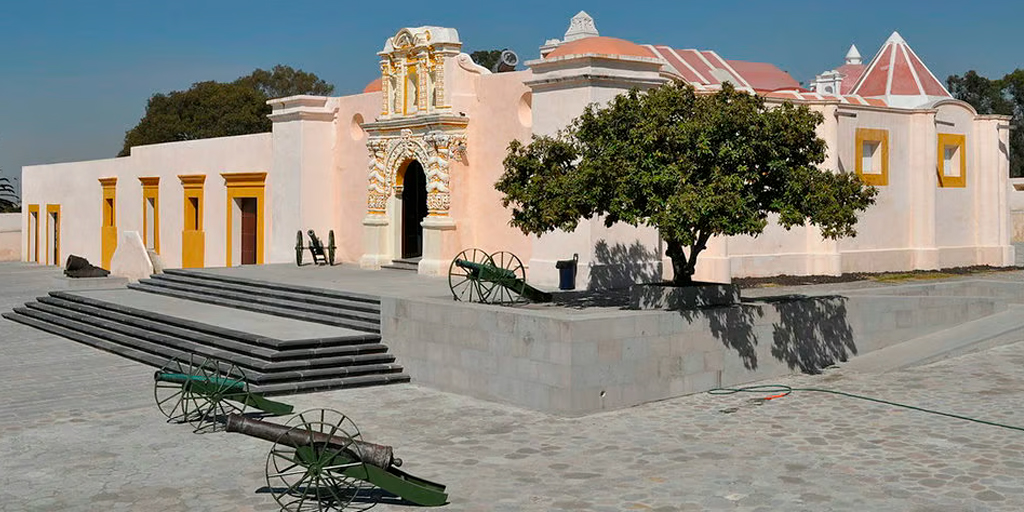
(320,462)
(203,391)
(498,278)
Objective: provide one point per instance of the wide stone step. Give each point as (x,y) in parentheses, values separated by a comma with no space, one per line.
(93,341)
(256,298)
(328,384)
(220,337)
(372,308)
(323,292)
(246,356)
(158,353)
(372,327)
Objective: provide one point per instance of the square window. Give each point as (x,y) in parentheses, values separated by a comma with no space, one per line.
(951,165)
(872,156)
(871,162)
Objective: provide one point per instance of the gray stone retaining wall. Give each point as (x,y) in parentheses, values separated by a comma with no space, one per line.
(582,361)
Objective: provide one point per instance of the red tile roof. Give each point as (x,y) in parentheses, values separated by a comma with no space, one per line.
(897,71)
(373,86)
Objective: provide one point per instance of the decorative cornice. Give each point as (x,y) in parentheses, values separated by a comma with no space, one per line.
(192,180)
(108,182)
(150,181)
(244,179)
(418,123)
(583,80)
(302,115)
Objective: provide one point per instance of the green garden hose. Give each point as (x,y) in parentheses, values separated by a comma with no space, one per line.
(781,390)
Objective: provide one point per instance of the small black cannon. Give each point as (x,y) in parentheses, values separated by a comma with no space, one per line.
(498,278)
(320,459)
(316,248)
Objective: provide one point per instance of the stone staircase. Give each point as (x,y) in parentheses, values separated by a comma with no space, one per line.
(272,366)
(330,307)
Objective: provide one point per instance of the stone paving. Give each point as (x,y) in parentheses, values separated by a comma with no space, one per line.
(78,431)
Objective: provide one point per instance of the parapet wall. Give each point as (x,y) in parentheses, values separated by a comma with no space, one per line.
(10,236)
(577,362)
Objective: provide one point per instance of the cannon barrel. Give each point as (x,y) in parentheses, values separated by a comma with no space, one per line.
(370,453)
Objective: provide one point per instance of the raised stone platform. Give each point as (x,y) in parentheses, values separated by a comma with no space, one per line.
(590,352)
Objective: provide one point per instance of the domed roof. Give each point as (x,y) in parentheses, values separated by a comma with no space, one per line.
(602,46)
(373,86)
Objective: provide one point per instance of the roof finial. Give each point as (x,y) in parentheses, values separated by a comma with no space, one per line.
(581,25)
(853,56)
(895,38)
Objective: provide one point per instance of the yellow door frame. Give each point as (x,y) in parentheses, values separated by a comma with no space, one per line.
(151,190)
(108,226)
(51,209)
(193,238)
(242,185)
(34,241)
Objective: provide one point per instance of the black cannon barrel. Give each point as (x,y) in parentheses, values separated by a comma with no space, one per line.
(370,453)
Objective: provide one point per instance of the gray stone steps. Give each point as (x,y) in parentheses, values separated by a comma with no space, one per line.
(268,297)
(322,292)
(981,334)
(285,310)
(239,354)
(257,372)
(272,388)
(271,365)
(259,346)
(372,309)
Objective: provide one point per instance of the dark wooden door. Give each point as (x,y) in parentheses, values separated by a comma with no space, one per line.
(249,221)
(414,209)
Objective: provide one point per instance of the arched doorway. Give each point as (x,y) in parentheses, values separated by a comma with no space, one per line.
(414,209)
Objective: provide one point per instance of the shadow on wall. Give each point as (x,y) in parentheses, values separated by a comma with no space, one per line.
(812,332)
(616,265)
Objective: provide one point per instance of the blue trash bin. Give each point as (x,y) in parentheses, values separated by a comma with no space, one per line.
(567,273)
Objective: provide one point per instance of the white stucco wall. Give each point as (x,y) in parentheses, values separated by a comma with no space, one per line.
(10,236)
(75,187)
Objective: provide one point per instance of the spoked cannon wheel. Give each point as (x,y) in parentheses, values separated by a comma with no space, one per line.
(512,273)
(221,389)
(465,283)
(173,391)
(312,475)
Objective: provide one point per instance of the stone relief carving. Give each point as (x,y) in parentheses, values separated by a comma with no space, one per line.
(434,150)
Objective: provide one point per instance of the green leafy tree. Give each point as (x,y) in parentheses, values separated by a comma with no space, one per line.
(9,200)
(486,58)
(215,109)
(283,81)
(1004,96)
(692,166)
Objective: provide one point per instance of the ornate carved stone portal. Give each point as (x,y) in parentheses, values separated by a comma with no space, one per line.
(416,123)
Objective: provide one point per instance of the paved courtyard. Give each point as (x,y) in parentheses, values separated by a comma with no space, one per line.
(79,431)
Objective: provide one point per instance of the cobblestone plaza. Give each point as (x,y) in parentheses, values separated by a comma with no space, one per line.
(79,431)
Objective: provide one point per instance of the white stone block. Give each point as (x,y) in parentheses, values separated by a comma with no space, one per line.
(131,260)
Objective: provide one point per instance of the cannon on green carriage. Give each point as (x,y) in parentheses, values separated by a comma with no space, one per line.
(320,462)
(203,391)
(499,278)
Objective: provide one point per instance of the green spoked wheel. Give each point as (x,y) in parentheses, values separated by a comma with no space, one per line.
(222,390)
(465,282)
(173,393)
(508,276)
(314,475)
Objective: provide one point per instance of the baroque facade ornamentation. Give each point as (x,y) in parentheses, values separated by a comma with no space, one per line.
(434,150)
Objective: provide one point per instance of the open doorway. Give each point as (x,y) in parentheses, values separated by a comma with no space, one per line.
(414,209)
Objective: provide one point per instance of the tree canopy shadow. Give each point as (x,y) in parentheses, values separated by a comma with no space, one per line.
(620,265)
(812,333)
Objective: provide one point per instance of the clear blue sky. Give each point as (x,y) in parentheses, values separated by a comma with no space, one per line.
(75,75)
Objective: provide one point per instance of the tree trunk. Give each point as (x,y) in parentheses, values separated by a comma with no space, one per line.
(683,267)
(682,272)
